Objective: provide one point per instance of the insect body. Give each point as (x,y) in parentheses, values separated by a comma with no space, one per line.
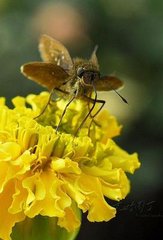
(73,78)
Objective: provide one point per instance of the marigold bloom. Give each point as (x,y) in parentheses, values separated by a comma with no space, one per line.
(50,174)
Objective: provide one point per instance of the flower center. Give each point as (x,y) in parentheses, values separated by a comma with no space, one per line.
(40,164)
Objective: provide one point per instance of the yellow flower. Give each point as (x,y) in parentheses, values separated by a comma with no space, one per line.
(52,174)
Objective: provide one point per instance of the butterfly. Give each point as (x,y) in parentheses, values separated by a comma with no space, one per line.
(75,78)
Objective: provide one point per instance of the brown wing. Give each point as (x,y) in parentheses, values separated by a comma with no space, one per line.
(45,74)
(53,51)
(108,83)
(93,57)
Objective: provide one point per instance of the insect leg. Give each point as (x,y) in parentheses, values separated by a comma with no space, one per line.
(90,110)
(93,116)
(102,105)
(89,99)
(45,107)
(49,99)
(64,111)
(62,91)
(89,107)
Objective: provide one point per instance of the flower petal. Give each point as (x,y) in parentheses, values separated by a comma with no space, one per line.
(121,159)
(8,220)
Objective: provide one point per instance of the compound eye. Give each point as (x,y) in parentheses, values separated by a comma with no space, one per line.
(80,72)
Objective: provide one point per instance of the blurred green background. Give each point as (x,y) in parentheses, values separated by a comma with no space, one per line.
(129,34)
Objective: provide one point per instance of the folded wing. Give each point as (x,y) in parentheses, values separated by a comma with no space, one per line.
(53,51)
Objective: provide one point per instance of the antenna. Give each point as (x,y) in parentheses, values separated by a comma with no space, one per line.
(123,99)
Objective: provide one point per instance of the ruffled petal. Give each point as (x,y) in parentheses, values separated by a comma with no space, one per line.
(8,220)
(98,209)
(70,221)
(121,159)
